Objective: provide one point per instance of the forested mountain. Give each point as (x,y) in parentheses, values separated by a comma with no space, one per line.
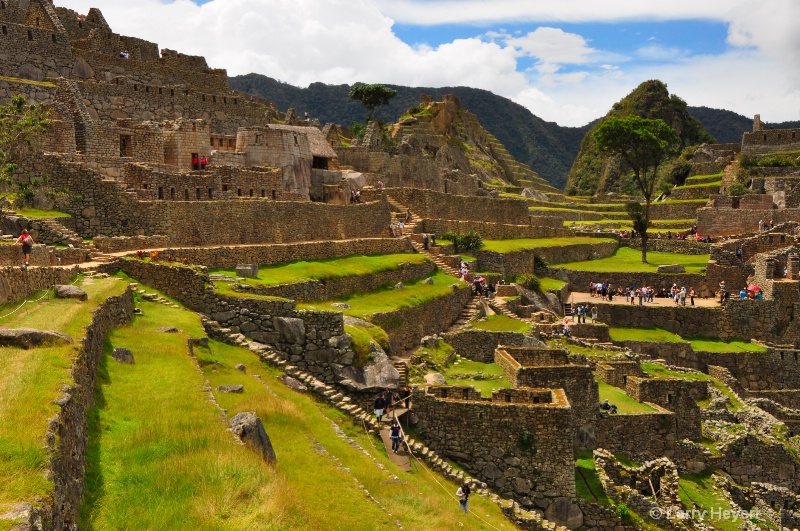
(546,147)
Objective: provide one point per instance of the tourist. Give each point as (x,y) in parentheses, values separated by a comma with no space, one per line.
(380,185)
(203,162)
(195,162)
(566,326)
(424,241)
(406,395)
(124,54)
(723,289)
(683,296)
(691,295)
(379,405)
(739,253)
(743,294)
(608,408)
(594,314)
(395,435)
(760,225)
(388,400)
(760,295)
(463,497)
(400,227)
(26,240)
(408,215)
(306,116)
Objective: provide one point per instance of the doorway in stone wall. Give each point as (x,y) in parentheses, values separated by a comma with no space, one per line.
(125,146)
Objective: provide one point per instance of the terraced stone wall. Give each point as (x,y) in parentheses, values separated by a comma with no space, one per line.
(642,436)
(438,205)
(522,450)
(551,228)
(519,262)
(579,280)
(720,222)
(479,345)
(16,283)
(664,245)
(675,210)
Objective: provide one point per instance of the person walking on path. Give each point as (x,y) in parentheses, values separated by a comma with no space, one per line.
(425,241)
(388,399)
(379,404)
(394,434)
(26,240)
(407,397)
(463,497)
(691,295)
(594,314)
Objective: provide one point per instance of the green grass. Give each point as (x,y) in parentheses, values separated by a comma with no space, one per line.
(437,355)
(657,370)
(625,404)
(464,367)
(707,344)
(698,490)
(326,269)
(502,323)
(680,201)
(32,379)
(510,246)
(362,336)
(627,260)
(701,177)
(700,185)
(644,334)
(551,284)
(41,214)
(587,483)
(27,81)
(181,469)
(389,299)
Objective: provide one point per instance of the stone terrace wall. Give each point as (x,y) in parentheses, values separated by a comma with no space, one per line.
(31,92)
(731,221)
(438,205)
(41,255)
(499,231)
(26,47)
(642,436)
(407,326)
(777,369)
(479,345)
(314,290)
(485,437)
(664,245)
(518,262)
(725,252)
(68,432)
(16,283)
(770,141)
(129,243)
(229,257)
(675,395)
(675,210)
(687,321)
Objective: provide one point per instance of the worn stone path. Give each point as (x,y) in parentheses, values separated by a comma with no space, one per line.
(579,297)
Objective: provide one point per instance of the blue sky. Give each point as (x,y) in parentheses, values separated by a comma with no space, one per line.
(567,61)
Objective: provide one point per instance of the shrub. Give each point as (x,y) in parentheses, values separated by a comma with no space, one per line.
(530,282)
(623,512)
(358,130)
(738,188)
(525,440)
(540,265)
(470,241)
(679,172)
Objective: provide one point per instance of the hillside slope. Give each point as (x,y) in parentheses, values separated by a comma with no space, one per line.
(592,172)
(546,147)
(728,127)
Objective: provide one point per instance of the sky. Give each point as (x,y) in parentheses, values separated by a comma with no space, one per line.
(567,61)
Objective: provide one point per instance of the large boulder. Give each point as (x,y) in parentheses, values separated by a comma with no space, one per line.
(247,270)
(30,338)
(291,329)
(379,373)
(68,291)
(123,355)
(434,378)
(249,429)
(671,268)
(563,512)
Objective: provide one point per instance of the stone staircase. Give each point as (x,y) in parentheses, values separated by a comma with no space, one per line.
(400,211)
(402,368)
(729,174)
(467,314)
(499,307)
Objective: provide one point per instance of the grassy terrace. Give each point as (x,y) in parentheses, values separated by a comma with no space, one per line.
(699,185)
(41,214)
(326,269)
(548,284)
(389,299)
(587,482)
(501,323)
(31,380)
(644,334)
(181,469)
(625,404)
(707,344)
(627,260)
(482,376)
(510,246)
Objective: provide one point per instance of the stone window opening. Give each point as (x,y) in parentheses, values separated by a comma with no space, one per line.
(535,399)
(186,194)
(669,398)
(198,193)
(212,141)
(172,92)
(236,102)
(224,187)
(465,393)
(185,92)
(779,136)
(80,24)
(230,142)
(203,96)
(274,195)
(795,356)
(239,192)
(5,30)
(765,136)
(54,37)
(295,141)
(30,35)
(194,128)
(444,393)
(37,22)
(2,5)
(224,99)
(251,192)
(781,355)
(172,193)
(125,146)
(319,163)
(213,99)
(146,186)
(160,192)
(147,88)
(210,193)
(160,90)
(136,88)
(263,193)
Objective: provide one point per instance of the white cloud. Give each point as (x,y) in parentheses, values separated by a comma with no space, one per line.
(345,41)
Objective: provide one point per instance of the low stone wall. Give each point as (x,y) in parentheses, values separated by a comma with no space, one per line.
(540,227)
(731,221)
(679,354)
(407,326)
(675,210)
(228,257)
(67,434)
(580,280)
(479,345)
(41,255)
(683,320)
(129,243)
(519,262)
(333,288)
(663,245)
(189,285)
(16,283)
(642,436)
(439,205)
(590,331)
(521,450)
(674,395)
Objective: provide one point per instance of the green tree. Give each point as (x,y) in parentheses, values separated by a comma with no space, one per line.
(372,96)
(643,145)
(22,130)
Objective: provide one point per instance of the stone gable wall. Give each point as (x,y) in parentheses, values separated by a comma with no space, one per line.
(485,437)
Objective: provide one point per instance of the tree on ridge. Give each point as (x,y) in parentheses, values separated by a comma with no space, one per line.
(372,96)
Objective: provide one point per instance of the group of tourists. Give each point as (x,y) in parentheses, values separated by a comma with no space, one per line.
(646,294)
(581,311)
(199,163)
(355,196)
(384,403)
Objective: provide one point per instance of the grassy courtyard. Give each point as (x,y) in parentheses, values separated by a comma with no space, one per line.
(627,260)
(484,377)
(501,323)
(326,269)
(625,404)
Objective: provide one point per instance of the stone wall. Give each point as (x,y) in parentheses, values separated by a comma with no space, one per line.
(519,262)
(438,205)
(67,432)
(41,255)
(579,280)
(129,243)
(522,450)
(641,436)
(407,326)
(686,210)
(16,283)
(771,141)
(616,373)
(663,245)
(228,257)
(674,395)
(731,221)
(751,459)
(479,345)
(332,288)
(541,227)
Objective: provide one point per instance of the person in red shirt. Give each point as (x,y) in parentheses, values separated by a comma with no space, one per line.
(203,162)
(195,162)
